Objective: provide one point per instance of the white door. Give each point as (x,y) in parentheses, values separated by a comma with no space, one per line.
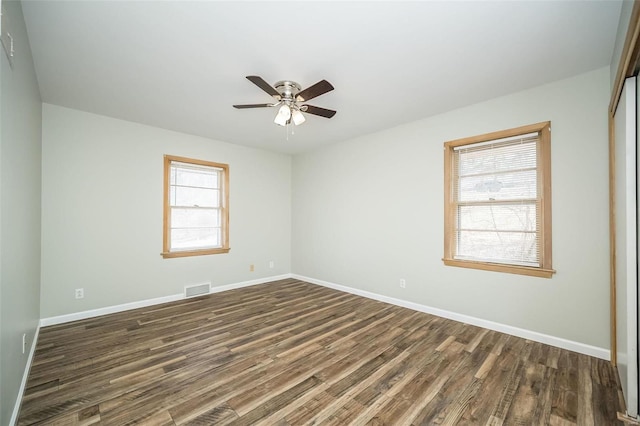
(626,244)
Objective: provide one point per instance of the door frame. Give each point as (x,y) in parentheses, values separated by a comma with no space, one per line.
(628,66)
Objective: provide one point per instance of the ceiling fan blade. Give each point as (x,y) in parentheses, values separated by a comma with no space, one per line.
(322,112)
(252,106)
(320,88)
(258,81)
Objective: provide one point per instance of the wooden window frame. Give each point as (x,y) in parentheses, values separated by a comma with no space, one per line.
(544,197)
(224,209)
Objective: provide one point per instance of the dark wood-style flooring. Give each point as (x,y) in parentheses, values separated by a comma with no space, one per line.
(293,353)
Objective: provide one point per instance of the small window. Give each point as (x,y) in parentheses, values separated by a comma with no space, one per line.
(196,207)
(498,201)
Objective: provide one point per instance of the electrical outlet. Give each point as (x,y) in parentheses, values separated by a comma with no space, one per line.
(79,293)
(251,268)
(272,264)
(24,343)
(403,283)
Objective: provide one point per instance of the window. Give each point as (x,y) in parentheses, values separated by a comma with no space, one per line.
(498,201)
(196,207)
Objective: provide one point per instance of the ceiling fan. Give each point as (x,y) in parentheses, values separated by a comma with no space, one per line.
(289,96)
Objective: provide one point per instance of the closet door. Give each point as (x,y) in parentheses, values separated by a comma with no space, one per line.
(626,244)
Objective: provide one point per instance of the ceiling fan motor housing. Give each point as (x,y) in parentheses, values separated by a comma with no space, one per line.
(288,89)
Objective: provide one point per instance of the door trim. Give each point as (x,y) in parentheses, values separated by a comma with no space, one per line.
(627,67)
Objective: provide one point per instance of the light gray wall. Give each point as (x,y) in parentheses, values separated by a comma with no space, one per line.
(369,211)
(20,191)
(102,212)
(623,25)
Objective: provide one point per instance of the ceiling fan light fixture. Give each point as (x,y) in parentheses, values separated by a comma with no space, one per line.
(297,117)
(283,115)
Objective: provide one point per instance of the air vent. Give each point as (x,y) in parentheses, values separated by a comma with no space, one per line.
(197,290)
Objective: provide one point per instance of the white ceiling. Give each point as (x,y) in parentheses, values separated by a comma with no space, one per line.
(180,65)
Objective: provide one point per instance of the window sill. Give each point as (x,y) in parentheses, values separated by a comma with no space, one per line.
(510,269)
(172,254)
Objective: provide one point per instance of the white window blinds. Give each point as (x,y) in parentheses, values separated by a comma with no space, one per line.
(495,192)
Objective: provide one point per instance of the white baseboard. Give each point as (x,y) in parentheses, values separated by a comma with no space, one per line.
(503,328)
(25,376)
(76,316)
(61,319)
(249,283)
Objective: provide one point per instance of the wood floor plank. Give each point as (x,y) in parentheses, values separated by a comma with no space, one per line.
(276,402)
(307,412)
(493,382)
(542,414)
(300,403)
(421,389)
(388,397)
(509,389)
(565,394)
(343,394)
(585,408)
(216,416)
(526,398)
(293,353)
(457,391)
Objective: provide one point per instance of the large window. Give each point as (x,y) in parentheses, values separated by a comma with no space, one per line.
(498,201)
(196,207)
